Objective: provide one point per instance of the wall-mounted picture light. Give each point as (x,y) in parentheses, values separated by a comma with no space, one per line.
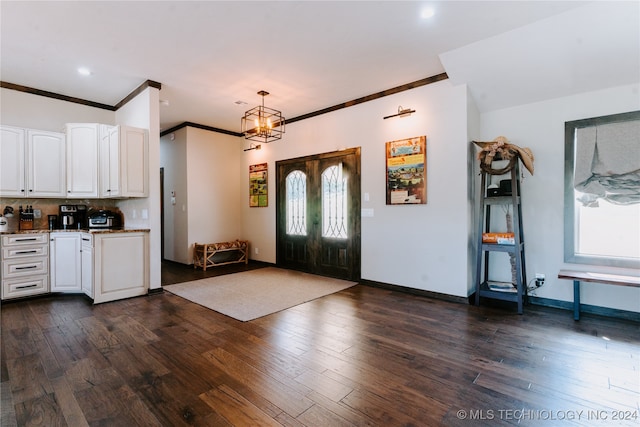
(253,146)
(402,112)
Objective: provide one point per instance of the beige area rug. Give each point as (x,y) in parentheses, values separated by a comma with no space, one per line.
(256,293)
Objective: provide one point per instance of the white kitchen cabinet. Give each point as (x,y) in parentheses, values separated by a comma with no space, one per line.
(121,265)
(124,162)
(25,264)
(134,162)
(65,262)
(82,159)
(32,163)
(46,163)
(86,260)
(12,161)
(109,162)
(90,161)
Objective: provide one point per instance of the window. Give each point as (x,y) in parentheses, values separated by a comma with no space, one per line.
(296,184)
(334,203)
(602,191)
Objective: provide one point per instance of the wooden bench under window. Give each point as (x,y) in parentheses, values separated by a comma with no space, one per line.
(213,254)
(585,276)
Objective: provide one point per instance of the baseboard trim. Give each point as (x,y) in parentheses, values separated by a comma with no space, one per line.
(414,291)
(544,302)
(586,308)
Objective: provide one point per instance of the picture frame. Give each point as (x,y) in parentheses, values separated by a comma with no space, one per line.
(258,191)
(406,171)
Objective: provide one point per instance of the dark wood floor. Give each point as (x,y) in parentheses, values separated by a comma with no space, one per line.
(174,272)
(363,356)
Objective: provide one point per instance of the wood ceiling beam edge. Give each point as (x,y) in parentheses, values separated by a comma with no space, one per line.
(137,91)
(47,94)
(199,126)
(372,97)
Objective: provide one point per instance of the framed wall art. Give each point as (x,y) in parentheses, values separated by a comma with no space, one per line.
(258,185)
(406,169)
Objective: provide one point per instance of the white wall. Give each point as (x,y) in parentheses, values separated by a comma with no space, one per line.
(214,190)
(473,210)
(424,247)
(418,246)
(143,111)
(37,112)
(202,168)
(173,158)
(540,126)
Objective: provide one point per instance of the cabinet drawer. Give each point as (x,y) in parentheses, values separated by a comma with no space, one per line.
(10,252)
(20,267)
(24,239)
(21,287)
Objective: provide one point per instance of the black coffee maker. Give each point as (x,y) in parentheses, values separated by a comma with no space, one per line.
(72,217)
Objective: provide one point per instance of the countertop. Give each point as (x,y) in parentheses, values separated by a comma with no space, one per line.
(82,230)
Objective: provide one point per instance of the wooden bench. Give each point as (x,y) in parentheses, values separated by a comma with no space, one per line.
(212,254)
(586,276)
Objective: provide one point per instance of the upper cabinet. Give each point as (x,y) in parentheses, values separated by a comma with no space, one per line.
(89,161)
(12,162)
(82,160)
(109,162)
(32,163)
(134,161)
(124,162)
(46,160)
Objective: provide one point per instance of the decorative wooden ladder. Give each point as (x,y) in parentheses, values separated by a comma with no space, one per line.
(518,293)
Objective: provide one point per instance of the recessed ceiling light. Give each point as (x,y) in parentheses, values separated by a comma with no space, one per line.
(427,13)
(83,71)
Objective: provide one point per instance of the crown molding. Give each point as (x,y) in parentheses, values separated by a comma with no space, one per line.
(151,83)
(47,94)
(372,97)
(199,126)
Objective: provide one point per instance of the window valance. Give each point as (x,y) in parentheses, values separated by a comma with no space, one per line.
(607,163)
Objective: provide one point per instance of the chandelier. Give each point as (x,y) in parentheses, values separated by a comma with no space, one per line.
(263,124)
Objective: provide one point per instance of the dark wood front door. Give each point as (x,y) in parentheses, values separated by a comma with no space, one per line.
(318,214)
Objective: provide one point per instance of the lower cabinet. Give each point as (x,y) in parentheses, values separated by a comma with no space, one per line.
(104,266)
(65,266)
(24,286)
(120,265)
(25,264)
(86,261)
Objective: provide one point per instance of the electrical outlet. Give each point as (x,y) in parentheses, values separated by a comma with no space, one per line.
(37,213)
(256,250)
(540,276)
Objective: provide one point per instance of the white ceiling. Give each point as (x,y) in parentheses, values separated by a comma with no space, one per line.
(312,55)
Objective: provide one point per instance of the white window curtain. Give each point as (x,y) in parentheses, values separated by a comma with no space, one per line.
(607,163)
